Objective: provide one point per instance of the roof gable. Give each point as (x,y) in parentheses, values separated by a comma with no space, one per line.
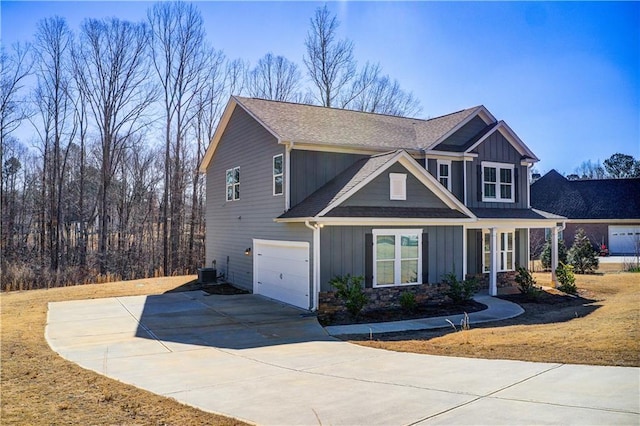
(336,192)
(510,136)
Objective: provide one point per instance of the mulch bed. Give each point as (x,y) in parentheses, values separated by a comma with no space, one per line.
(398,314)
(550,306)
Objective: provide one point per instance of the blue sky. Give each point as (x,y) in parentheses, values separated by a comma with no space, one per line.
(565,76)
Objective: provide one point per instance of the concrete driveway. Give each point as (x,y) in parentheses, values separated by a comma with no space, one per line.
(267,363)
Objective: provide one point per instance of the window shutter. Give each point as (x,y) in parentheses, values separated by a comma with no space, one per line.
(479,172)
(368,260)
(425,258)
(515,184)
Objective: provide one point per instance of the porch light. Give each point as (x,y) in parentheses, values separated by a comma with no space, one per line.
(247,251)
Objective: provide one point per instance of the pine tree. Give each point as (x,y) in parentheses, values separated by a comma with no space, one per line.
(582,256)
(545,256)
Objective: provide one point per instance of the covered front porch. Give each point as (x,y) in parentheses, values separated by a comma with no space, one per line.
(496,248)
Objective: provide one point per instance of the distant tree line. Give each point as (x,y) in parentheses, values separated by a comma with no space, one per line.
(107,187)
(618,166)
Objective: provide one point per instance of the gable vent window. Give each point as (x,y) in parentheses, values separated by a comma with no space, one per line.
(397,186)
(233,184)
(497,182)
(277,174)
(444,173)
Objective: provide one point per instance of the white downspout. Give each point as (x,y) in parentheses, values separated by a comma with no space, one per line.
(316,263)
(287,173)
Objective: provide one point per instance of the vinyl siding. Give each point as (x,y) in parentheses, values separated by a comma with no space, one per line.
(342,251)
(496,149)
(310,170)
(376,193)
(232,225)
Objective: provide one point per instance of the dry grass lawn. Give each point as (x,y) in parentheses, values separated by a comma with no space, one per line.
(39,387)
(601,331)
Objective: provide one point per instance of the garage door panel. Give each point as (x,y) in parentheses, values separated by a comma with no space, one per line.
(624,239)
(281,271)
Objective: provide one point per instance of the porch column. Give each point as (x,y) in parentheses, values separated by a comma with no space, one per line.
(493,256)
(554,255)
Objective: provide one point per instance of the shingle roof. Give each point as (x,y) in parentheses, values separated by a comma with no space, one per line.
(488,213)
(587,199)
(338,186)
(397,212)
(331,126)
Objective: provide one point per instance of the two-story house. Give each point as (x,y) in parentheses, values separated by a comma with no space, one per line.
(297,194)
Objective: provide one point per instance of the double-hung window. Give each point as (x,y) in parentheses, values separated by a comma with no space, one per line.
(498,182)
(278,172)
(233,184)
(505,242)
(397,256)
(444,173)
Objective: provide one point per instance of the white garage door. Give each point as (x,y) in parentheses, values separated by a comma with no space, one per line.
(624,239)
(281,271)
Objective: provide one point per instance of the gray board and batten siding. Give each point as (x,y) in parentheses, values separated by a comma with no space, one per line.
(457,176)
(460,140)
(310,170)
(376,192)
(496,149)
(343,251)
(238,222)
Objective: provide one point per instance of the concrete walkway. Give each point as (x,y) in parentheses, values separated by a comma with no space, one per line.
(266,363)
(497,309)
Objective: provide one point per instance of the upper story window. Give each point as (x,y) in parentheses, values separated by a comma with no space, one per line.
(233,184)
(278,172)
(444,173)
(397,186)
(497,182)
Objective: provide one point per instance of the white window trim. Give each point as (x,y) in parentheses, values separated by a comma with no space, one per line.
(394,180)
(233,185)
(397,233)
(501,254)
(448,176)
(497,183)
(274,176)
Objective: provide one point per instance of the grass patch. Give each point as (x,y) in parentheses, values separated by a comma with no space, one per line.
(598,327)
(40,387)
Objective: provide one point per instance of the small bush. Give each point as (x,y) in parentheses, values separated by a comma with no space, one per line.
(582,256)
(567,280)
(408,301)
(350,290)
(527,284)
(460,291)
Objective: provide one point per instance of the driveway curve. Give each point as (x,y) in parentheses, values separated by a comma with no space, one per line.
(267,363)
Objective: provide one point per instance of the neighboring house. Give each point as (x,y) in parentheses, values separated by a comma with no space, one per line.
(297,194)
(607,209)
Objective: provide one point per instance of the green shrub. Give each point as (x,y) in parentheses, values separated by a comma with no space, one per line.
(459,291)
(350,290)
(545,256)
(582,256)
(527,284)
(567,280)
(408,301)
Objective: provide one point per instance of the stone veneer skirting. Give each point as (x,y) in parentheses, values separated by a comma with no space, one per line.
(384,298)
(505,279)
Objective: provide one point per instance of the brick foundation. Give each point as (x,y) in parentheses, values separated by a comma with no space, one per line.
(383,298)
(505,279)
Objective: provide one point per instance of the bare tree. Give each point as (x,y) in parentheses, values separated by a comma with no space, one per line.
(386,97)
(590,170)
(178,55)
(329,61)
(113,72)
(275,78)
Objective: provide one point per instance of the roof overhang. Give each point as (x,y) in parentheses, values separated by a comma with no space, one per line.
(481,111)
(365,221)
(222,126)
